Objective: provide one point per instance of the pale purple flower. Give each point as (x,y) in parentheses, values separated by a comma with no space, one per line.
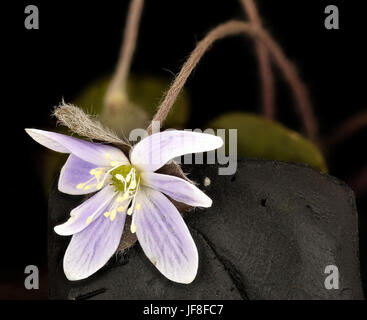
(128,188)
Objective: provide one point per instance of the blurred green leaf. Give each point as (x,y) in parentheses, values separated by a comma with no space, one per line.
(144,92)
(262,138)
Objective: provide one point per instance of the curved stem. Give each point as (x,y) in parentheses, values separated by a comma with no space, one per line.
(267,80)
(347,128)
(289,71)
(358,183)
(116,92)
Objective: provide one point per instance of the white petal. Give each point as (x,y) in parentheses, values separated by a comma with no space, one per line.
(164,236)
(90,249)
(96,153)
(176,188)
(93,207)
(156,150)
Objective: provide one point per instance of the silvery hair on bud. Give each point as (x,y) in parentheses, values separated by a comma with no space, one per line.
(84,125)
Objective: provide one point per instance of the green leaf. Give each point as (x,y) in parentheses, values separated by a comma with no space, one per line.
(259,137)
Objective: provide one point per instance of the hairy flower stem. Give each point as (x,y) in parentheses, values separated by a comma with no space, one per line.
(231,28)
(346,129)
(267,80)
(116,93)
(358,182)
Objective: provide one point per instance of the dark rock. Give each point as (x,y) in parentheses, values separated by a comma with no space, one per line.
(272,230)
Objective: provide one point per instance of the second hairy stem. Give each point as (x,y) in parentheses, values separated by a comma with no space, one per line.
(230,28)
(266,75)
(116,92)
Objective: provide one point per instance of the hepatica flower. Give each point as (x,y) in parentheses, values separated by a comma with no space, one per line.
(128,187)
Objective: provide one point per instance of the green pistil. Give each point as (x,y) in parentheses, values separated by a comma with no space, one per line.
(124,171)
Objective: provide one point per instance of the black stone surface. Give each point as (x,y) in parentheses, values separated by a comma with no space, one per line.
(272,230)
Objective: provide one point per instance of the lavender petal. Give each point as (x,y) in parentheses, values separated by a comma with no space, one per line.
(164,236)
(93,207)
(96,153)
(176,188)
(90,249)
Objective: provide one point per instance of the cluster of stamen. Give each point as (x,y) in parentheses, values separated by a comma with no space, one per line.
(125,179)
(95,181)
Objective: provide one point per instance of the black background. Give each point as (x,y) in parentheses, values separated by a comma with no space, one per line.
(79,41)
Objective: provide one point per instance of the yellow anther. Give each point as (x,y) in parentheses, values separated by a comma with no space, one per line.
(93,172)
(80,186)
(88,187)
(207,181)
(130,211)
(138,206)
(120,209)
(89,219)
(113,215)
(106,214)
(98,174)
(123,198)
(133,228)
(99,186)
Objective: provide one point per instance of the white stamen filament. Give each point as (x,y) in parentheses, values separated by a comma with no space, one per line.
(131,187)
(100,184)
(131,209)
(92,216)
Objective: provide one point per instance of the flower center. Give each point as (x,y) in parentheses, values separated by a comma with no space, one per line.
(125,178)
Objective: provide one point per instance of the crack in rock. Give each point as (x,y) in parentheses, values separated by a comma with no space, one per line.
(233,273)
(89,295)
